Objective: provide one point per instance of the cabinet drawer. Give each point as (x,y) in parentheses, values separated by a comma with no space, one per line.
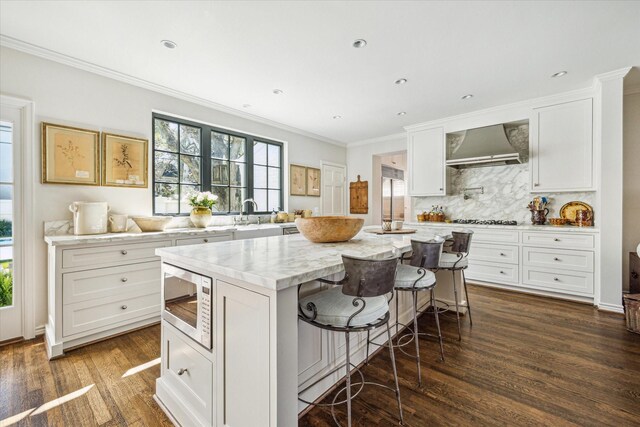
(558,259)
(188,371)
(115,254)
(490,272)
(203,239)
(133,279)
(574,282)
(108,312)
(494,236)
(494,253)
(559,240)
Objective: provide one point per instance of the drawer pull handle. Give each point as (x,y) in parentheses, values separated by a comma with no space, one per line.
(536,185)
(182,371)
(123,252)
(503,254)
(124,307)
(556,240)
(556,279)
(206,240)
(124,280)
(501,272)
(556,259)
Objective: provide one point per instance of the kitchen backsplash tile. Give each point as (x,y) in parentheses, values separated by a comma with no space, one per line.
(506,188)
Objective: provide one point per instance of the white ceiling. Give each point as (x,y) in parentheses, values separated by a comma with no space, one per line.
(236,53)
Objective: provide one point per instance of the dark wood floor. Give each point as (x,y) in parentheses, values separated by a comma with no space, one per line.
(526,361)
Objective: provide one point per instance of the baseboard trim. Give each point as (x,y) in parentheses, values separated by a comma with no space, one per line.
(40,330)
(612,308)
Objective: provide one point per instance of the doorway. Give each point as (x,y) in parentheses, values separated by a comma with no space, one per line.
(10,285)
(390,200)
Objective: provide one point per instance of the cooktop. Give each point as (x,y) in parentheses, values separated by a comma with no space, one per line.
(486,221)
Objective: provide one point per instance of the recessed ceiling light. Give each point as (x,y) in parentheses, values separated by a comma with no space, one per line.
(360,43)
(278,91)
(337,117)
(246,105)
(559,74)
(469,96)
(169,44)
(401,81)
(401,113)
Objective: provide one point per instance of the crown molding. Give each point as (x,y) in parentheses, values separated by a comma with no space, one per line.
(61,58)
(526,104)
(386,138)
(612,75)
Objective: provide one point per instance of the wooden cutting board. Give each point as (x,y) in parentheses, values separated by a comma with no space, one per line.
(381,231)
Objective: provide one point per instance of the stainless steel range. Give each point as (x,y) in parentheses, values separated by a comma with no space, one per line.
(486,221)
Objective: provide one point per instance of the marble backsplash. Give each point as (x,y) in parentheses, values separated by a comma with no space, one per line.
(506,188)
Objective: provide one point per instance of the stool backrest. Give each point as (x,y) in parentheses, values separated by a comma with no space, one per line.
(461,241)
(426,253)
(368,277)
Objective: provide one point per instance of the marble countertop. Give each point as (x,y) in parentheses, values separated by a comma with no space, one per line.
(71,239)
(280,262)
(559,228)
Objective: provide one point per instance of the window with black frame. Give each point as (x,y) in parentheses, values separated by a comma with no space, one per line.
(190,157)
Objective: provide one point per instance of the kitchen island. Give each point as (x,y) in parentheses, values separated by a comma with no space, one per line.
(261,354)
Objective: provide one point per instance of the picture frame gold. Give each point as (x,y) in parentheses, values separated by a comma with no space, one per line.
(297,180)
(70,155)
(124,161)
(313,182)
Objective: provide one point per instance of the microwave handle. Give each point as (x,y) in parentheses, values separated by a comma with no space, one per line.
(182,274)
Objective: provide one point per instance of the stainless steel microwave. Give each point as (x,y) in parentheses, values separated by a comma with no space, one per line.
(186,303)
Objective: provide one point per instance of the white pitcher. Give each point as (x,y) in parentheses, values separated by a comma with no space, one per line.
(89,217)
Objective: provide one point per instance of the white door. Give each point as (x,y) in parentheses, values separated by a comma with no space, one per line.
(334,191)
(10,283)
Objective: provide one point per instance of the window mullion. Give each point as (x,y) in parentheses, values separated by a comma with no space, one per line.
(249,166)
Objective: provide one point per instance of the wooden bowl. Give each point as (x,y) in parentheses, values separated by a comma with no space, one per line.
(329,229)
(558,221)
(152,223)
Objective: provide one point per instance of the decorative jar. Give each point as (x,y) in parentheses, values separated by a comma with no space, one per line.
(200,216)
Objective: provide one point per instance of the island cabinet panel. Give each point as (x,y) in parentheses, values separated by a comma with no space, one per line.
(188,371)
(426,162)
(242,344)
(562,147)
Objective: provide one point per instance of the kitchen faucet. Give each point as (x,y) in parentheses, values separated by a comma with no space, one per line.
(255,208)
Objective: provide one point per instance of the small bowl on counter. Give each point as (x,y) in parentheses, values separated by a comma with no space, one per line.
(558,221)
(152,223)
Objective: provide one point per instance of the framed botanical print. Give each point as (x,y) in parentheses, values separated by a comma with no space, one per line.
(297,180)
(70,155)
(313,182)
(124,161)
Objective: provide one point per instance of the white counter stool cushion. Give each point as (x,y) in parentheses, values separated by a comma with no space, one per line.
(449,260)
(335,308)
(406,276)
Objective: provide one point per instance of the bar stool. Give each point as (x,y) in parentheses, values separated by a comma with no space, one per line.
(359,305)
(455,258)
(416,277)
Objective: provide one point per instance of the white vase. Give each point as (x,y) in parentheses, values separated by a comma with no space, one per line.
(200,217)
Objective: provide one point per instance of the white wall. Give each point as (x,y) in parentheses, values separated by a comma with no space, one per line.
(631,189)
(67,95)
(360,161)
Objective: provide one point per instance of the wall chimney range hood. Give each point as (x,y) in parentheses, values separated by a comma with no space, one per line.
(487,146)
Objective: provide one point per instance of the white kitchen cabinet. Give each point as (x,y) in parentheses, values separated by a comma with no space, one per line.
(562,147)
(426,162)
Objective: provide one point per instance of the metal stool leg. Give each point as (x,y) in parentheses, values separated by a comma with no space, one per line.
(395,374)
(348,380)
(455,295)
(366,361)
(435,313)
(397,313)
(415,335)
(466,295)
